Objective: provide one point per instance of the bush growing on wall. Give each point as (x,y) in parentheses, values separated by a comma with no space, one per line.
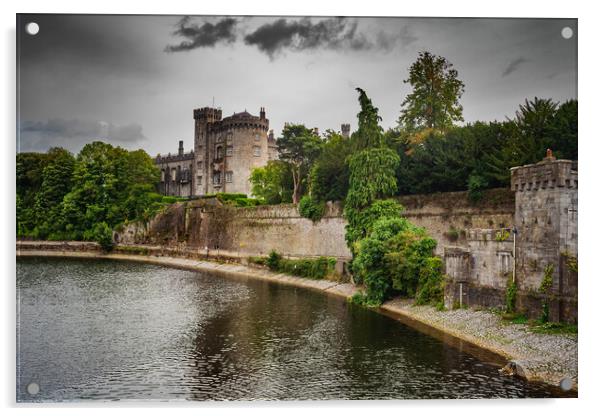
(310,209)
(397,258)
(319,268)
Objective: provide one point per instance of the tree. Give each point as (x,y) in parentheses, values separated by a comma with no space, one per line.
(329,175)
(371,170)
(272,183)
(369,133)
(434,102)
(298,146)
(56,183)
(563,131)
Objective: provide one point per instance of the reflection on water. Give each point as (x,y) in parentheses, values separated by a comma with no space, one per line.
(95,329)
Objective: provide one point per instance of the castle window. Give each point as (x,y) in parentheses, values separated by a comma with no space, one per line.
(199,165)
(229,151)
(220,139)
(162,175)
(256,151)
(228,177)
(199,179)
(173,174)
(257,136)
(217,178)
(219,152)
(229,138)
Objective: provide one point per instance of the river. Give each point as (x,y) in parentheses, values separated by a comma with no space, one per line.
(110,330)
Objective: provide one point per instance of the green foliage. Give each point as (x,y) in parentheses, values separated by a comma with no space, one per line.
(370,133)
(436,91)
(545,289)
(546,282)
(502,235)
(298,147)
(476,185)
(319,268)
(237,200)
(329,175)
(555,328)
(103,235)
(311,209)
(372,176)
(430,282)
(360,222)
(262,261)
(571,262)
(452,234)
(61,197)
(397,257)
(273,260)
(511,290)
(273,183)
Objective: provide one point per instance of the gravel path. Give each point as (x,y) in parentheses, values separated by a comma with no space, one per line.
(542,357)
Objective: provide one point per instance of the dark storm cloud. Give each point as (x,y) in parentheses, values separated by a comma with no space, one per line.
(73,134)
(513,66)
(299,35)
(206,35)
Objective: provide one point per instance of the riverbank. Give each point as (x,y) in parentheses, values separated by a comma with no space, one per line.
(545,358)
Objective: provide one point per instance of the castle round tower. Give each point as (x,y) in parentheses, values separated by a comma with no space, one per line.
(226,150)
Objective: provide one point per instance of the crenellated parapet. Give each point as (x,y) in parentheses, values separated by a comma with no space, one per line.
(169,158)
(547,174)
(207,114)
(240,121)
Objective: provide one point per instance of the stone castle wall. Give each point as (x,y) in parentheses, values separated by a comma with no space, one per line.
(476,240)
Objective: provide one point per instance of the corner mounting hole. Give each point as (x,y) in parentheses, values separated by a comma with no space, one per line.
(566,384)
(567,32)
(32,28)
(33,388)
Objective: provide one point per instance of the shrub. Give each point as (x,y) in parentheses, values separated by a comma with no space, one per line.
(502,235)
(431,282)
(319,268)
(397,257)
(262,261)
(452,234)
(103,235)
(511,290)
(273,261)
(476,185)
(310,209)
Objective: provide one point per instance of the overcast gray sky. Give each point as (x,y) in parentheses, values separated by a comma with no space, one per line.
(134,80)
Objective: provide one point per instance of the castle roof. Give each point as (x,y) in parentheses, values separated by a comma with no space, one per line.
(243,114)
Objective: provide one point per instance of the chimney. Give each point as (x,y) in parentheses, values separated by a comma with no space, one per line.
(181,148)
(316,131)
(262,113)
(345,130)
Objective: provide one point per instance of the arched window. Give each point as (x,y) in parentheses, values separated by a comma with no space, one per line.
(219,152)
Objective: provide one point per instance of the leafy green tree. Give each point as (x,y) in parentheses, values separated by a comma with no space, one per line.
(329,175)
(563,131)
(56,183)
(298,146)
(434,102)
(30,167)
(396,257)
(110,185)
(369,133)
(371,170)
(273,182)
(372,176)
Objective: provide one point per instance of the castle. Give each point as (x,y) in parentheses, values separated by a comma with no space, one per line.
(225,152)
